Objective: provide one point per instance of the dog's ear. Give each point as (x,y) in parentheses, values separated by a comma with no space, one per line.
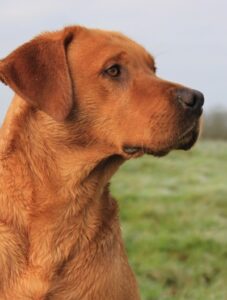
(38,72)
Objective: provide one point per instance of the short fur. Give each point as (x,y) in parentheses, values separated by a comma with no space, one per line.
(64,136)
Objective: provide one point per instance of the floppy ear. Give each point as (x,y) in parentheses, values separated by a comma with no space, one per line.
(38,72)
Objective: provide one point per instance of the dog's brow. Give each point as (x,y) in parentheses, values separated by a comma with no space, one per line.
(114,57)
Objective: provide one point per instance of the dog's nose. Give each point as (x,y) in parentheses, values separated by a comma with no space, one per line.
(190,99)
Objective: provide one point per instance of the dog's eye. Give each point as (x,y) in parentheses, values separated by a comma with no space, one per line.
(114,71)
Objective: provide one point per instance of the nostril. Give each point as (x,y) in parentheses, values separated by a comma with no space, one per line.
(187,100)
(190,98)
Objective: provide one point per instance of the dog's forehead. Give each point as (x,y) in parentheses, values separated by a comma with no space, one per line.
(101,44)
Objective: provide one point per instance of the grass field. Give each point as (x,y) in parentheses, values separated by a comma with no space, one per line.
(174,222)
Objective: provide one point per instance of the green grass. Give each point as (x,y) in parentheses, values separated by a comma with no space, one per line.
(174,222)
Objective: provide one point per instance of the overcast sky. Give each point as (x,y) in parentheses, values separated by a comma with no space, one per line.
(187,38)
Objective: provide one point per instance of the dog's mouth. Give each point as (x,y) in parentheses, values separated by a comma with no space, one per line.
(184,142)
(136,151)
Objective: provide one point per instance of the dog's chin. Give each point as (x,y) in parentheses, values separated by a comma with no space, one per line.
(187,141)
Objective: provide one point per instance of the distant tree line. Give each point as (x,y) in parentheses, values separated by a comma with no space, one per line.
(215,125)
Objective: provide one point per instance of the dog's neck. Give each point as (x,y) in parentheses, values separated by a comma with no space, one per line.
(58,198)
(62,172)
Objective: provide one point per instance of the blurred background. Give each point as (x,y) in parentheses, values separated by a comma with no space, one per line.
(174,209)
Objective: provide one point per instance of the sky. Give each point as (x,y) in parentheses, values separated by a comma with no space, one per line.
(187,38)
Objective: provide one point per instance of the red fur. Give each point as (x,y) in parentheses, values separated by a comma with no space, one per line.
(61,142)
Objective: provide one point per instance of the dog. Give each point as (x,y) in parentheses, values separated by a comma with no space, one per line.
(86,100)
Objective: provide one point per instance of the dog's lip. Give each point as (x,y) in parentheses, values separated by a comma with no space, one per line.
(138,151)
(131,149)
(187,132)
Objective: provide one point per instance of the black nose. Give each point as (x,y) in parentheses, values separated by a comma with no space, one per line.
(190,99)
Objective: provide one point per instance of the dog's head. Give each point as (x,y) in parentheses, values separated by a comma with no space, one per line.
(106,85)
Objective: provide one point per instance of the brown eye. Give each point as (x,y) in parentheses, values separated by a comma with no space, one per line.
(114,71)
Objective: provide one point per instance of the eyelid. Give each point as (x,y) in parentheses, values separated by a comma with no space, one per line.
(116,76)
(112,62)
(114,59)
(113,66)
(110,65)
(107,67)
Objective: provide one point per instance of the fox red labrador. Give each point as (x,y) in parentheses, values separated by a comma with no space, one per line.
(85,101)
